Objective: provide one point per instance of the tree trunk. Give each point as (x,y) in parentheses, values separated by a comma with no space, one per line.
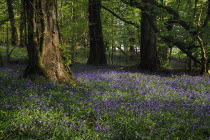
(131,41)
(97,54)
(204,60)
(12,21)
(204,56)
(189,63)
(163,54)
(148,53)
(43,39)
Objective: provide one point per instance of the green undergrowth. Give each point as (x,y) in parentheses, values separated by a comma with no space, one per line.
(105,105)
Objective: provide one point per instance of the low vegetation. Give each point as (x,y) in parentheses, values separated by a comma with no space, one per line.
(104,104)
(110,98)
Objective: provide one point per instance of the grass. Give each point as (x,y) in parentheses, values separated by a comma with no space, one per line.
(106,105)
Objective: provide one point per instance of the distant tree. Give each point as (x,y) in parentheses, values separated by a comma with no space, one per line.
(43,42)
(120,32)
(131,40)
(22,28)
(97,54)
(12,21)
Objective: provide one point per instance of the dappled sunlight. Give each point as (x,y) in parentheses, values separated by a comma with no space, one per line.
(106,104)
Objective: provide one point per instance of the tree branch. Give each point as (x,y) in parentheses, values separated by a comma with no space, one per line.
(133,3)
(117,16)
(123,51)
(180,45)
(176,17)
(142,6)
(4,21)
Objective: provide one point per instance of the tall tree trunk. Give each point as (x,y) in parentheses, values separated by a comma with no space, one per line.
(204,57)
(131,41)
(148,52)
(43,39)
(12,21)
(97,54)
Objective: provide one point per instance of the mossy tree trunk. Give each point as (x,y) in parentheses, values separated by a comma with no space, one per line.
(43,42)
(12,22)
(148,51)
(97,54)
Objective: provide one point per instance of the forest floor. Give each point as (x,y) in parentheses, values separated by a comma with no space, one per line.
(82,67)
(109,102)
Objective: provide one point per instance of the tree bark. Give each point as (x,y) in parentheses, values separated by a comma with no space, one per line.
(204,58)
(148,51)
(43,39)
(12,22)
(163,54)
(97,54)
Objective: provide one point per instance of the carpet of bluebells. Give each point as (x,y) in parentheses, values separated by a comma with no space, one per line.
(105,104)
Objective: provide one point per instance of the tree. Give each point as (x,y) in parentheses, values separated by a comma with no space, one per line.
(196,28)
(12,21)
(186,25)
(203,46)
(97,54)
(43,42)
(119,32)
(148,51)
(22,25)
